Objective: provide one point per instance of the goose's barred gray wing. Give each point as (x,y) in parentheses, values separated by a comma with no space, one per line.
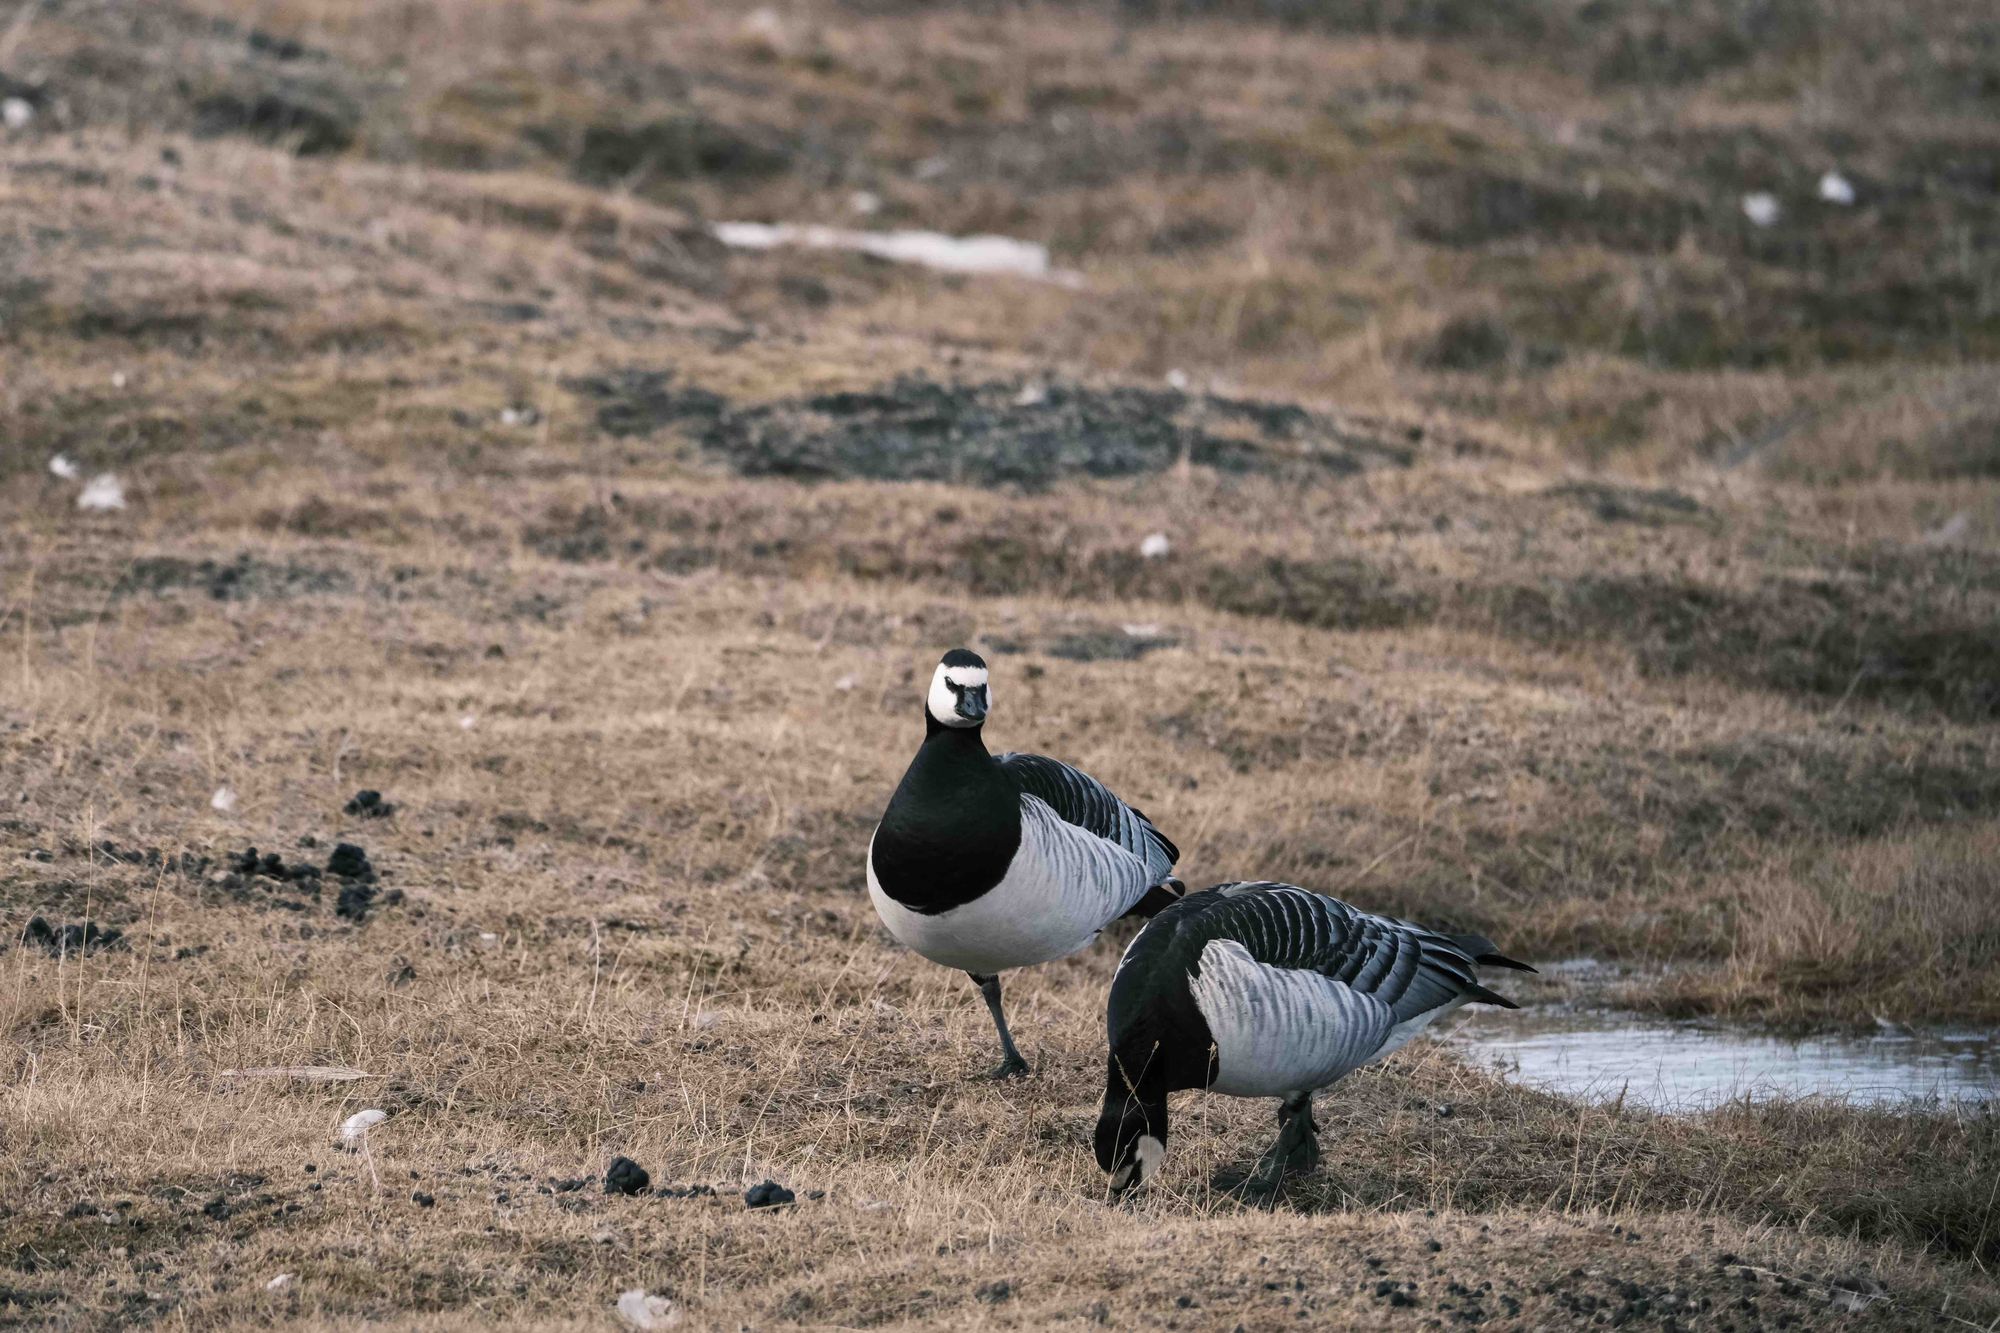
(1406,967)
(1079,799)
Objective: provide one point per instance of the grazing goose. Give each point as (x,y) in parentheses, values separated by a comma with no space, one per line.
(984,863)
(1267,990)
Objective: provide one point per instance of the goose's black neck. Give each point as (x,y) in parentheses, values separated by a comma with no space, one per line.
(953,826)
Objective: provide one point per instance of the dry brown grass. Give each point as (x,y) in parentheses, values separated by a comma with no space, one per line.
(1727,707)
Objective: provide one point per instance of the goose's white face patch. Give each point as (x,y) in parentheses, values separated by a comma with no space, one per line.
(1147,1154)
(948,685)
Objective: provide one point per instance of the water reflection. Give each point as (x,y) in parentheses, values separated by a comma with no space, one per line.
(1601,1055)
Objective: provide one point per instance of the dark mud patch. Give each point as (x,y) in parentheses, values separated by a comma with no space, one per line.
(1628,504)
(241,579)
(1027,435)
(1090,643)
(1815,638)
(635,402)
(685,146)
(74,939)
(306,118)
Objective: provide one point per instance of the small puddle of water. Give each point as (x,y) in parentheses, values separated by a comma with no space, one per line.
(1600,1055)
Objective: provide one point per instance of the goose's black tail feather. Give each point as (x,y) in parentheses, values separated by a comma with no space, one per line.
(1159,898)
(1483,951)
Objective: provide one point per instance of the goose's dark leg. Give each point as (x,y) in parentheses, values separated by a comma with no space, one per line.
(1011,1065)
(1297,1148)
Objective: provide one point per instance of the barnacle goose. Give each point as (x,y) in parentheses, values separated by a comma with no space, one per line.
(1267,990)
(984,864)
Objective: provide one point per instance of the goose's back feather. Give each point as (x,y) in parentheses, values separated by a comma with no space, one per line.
(1078,798)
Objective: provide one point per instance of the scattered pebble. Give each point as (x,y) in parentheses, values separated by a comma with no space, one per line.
(118,380)
(17,113)
(685,1191)
(354,1129)
(104,491)
(769,1194)
(625,1176)
(642,1310)
(368,804)
(846,683)
(279,1283)
(865,202)
(1155,546)
(1032,394)
(467,722)
(75,938)
(520,416)
(1836,189)
(224,799)
(423,1200)
(1177,379)
(1762,208)
(63,466)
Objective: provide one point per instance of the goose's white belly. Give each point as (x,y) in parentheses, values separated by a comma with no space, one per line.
(1280,1030)
(1062,887)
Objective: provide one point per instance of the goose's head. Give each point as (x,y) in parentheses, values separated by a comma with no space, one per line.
(1131,1130)
(959,695)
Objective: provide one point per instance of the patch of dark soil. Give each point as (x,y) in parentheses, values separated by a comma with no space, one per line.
(1095,643)
(684,1192)
(1804,638)
(640,402)
(308,117)
(680,147)
(174,863)
(1470,208)
(1482,343)
(368,804)
(240,579)
(269,865)
(1009,434)
(76,938)
(1628,504)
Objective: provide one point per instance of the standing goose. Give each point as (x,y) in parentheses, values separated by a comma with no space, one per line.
(984,863)
(1267,990)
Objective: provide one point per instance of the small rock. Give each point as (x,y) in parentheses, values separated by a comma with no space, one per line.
(423,1200)
(224,799)
(1155,546)
(1762,208)
(61,465)
(768,1194)
(279,1283)
(17,113)
(625,1176)
(103,492)
(1836,189)
(643,1310)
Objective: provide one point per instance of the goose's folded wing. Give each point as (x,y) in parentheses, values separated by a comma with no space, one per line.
(1411,970)
(1078,798)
